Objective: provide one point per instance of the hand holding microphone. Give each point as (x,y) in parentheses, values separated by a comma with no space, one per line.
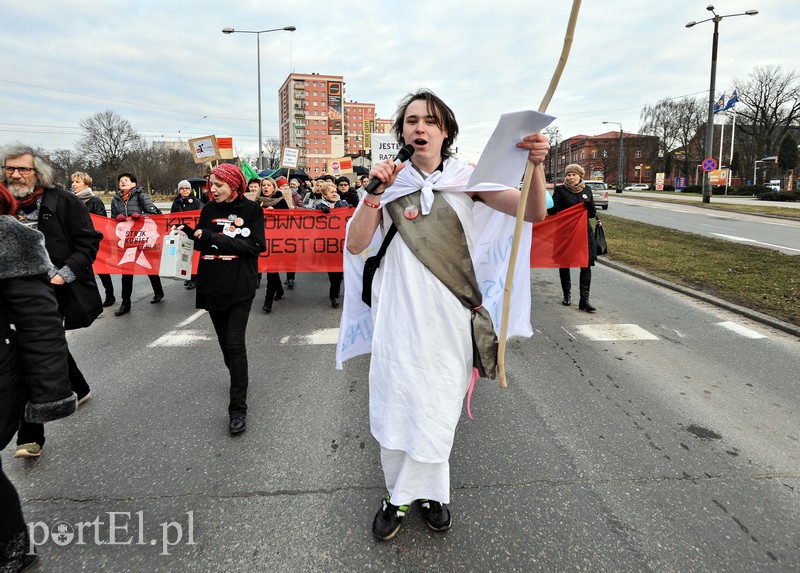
(387,169)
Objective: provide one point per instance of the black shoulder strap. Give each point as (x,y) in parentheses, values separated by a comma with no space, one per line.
(385,244)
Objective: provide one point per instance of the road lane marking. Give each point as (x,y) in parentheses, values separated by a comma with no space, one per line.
(742,330)
(180,338)
(191,319)
(745,240)
(612,332)
(323,336)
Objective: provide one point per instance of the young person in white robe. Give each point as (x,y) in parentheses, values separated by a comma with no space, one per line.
(424,337)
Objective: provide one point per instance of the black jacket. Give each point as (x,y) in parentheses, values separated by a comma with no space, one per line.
(233,237)
(190,203)
(33,355)
(69,236)
(71,240)
(563,198)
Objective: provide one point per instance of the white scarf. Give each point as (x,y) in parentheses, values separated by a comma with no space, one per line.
(494,232)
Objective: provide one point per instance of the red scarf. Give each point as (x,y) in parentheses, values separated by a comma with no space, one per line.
(30,199)
(126,196)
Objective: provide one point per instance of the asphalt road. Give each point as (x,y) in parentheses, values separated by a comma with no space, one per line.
(768,232)
(659,434)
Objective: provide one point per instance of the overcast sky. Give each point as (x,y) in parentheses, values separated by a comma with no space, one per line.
(166,66)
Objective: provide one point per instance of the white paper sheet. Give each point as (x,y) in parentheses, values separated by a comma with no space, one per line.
(502,162)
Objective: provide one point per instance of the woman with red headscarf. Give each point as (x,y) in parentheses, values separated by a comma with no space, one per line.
(229,236)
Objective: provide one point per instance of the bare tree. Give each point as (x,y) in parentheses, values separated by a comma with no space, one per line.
(66,162)
(678,125)
(272,152)
(142,161)
(770,107)
(107,138)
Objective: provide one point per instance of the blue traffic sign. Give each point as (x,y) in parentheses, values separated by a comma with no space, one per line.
(709,164)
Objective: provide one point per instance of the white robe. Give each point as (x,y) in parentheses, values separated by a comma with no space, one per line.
(421,352)
(418,332)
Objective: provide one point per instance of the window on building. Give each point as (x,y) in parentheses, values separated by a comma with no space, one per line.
(316,132)
(638,154)
(594,154)
(605,153)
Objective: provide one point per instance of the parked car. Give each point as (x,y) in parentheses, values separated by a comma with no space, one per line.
(637,187)
(599,192)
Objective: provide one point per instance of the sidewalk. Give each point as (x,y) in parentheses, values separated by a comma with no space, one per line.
(723,199)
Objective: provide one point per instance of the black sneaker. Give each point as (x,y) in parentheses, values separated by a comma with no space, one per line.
(436,514)
(388,520)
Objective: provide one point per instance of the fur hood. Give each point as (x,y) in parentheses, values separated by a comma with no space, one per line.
(22,251)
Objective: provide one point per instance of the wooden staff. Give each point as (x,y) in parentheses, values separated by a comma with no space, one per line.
(562,61)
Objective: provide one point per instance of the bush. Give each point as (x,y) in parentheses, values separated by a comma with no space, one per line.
(692,189)
(718,190)
(669,188)
(790,196)
(756,190)
(741,191)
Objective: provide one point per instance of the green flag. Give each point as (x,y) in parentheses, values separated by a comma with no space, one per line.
(249,172)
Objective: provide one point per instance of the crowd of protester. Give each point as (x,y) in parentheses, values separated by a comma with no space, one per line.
(54,276)
(49,244)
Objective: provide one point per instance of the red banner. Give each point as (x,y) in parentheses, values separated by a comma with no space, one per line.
(561,240)
(297,240)
(308,241)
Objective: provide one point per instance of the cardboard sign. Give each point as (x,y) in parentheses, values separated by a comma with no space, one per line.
(341,165)
(225,146)
(204,149)
(290,157)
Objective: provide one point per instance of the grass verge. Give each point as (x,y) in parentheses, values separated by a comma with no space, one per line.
(754,277)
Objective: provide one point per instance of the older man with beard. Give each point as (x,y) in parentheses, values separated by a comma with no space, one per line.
(71,242)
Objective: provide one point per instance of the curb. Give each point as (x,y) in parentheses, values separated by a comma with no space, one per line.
(744,311)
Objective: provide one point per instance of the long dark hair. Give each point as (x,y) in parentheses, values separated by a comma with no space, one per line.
(441,112)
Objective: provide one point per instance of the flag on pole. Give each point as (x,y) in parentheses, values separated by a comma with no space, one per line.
(248,171)
(720,105)
(732,101)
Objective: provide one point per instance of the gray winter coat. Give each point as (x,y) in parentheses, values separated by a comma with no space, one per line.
(33,355)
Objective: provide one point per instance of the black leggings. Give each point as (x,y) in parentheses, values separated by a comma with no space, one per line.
(127,286)
(231,326)
(12,521)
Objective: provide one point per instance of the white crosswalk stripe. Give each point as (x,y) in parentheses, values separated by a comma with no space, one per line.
(613,332)
(742,330)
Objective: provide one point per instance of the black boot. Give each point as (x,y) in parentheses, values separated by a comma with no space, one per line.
(566,286)
(124,308)
(270,296)
(16,554)
(585,284)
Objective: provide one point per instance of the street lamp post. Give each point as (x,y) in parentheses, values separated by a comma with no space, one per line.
(258,59)
(710,121)
(755,166)
(620,178)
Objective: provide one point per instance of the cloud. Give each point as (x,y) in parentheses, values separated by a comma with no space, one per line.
(165,65)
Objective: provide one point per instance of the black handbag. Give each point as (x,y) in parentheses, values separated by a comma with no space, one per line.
(372,264)
(600,239)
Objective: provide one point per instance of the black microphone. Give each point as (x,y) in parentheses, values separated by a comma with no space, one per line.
(403,155)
